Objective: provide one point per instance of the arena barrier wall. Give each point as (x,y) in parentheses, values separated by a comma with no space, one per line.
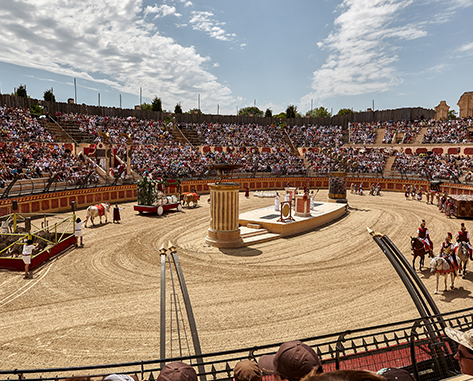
(58,202)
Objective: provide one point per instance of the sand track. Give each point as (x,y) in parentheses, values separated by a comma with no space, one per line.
(100,304)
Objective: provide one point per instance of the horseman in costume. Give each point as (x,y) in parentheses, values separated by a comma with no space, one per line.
(463,236)
(447,251)
(423,234)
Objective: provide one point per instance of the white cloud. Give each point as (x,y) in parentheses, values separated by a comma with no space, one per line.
(203,21)
(106,42)
(466,48)
(161,11)
(363,49)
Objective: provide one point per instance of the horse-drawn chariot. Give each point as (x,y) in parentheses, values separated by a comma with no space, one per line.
(153,196)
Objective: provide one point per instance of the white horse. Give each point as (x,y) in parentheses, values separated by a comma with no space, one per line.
(440,266)
(98,210)
(463,254)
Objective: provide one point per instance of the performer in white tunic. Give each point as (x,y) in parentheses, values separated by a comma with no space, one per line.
(287,197)
(276,202)
(312,200)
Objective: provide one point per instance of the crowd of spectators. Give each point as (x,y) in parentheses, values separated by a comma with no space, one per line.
(403,132)
(316,136)
(31,160)
(241,135)
(451,131)
(433,166)
(362,133)
(156,151)
(118,130)
(351,159)
(181,162)
(17,124)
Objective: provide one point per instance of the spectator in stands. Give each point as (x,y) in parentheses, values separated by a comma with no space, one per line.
(294,360)
(247,370)
(464,354)
(177,371)
(345,375)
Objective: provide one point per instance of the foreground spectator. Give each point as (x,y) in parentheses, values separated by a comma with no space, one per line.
(396,374)
(345,375)
(464,354)
(266,365)
(247,370)
(294,360)
(177,371)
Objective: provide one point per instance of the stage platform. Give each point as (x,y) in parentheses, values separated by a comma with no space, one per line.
(262,225)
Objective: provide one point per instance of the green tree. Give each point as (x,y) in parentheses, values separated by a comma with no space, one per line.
(36,109)
(247,111)
(268,113)
(21,91)
(280,115)
(156,105)
(291,111)
(320,112)
(146,106)
(178,109)
(452,115)
(48,96)
(344,111)
(194,111)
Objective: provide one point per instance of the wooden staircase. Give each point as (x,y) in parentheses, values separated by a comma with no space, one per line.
(289,142)
(186,136)
(380,136)
(67,132)
(420,135)
(388,165)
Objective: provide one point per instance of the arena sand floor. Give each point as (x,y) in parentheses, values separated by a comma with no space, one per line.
(100,304)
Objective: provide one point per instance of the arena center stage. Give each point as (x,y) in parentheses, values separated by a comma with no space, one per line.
(265,224)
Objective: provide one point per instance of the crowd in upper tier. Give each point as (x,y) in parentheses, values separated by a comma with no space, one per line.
(119,130)
(257,148)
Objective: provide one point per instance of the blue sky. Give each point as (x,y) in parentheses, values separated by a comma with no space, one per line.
(233,53)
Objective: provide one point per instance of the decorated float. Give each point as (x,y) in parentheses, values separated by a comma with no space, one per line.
(157,196)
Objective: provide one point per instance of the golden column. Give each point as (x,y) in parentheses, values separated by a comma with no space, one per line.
(224,215)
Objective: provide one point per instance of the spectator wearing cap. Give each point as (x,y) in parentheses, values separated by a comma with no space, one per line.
(464,354)
(396,374)
(294,360)
(177,371)
(265,363)
(344,375)
(247,370)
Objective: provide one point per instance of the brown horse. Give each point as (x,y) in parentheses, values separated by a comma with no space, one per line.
(418,250)
(188,198)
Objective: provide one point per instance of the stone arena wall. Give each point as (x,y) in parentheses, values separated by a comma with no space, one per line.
(58,202)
